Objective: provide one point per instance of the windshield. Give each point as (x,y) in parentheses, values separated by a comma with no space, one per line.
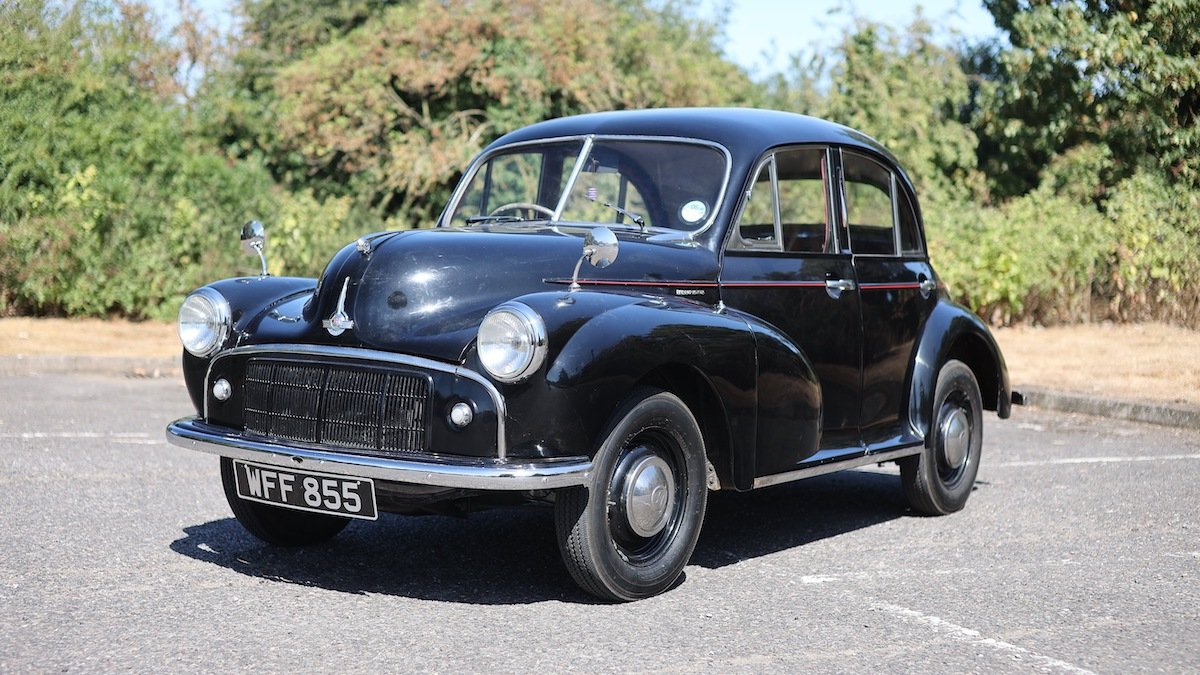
(639,183)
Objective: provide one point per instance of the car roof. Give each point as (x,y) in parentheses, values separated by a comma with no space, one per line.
(741,130)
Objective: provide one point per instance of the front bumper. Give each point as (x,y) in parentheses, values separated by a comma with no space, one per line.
(473,474)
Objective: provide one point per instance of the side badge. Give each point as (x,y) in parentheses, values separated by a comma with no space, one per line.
(340,321)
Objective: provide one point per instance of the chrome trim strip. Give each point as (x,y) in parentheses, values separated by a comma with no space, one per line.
(575,171)
(193,434)
(830,467)
(385,357)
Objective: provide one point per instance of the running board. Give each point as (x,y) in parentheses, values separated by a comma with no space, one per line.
(837,465)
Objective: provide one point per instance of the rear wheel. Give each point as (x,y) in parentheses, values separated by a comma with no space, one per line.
(940,479)
(630,532)
(275,525)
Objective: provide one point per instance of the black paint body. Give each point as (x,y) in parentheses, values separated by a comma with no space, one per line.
(782,373)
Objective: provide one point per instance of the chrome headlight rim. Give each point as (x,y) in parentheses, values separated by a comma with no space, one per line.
(216,309)
(534,334)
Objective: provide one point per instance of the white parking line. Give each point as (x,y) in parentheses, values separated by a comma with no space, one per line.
(1093,460)
(976,638)
(123,437)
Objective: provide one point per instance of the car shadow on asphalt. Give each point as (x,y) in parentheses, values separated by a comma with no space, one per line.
(509,556)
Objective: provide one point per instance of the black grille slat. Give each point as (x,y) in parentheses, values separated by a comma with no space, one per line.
(404,406)
(371,410)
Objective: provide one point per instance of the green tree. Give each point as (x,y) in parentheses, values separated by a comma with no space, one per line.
(904,89)
(387,104)
(107,204)
(1121,73)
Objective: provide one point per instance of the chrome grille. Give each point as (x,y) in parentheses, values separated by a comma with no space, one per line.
(375,411)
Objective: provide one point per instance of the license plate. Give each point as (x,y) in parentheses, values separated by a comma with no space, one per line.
(305,491)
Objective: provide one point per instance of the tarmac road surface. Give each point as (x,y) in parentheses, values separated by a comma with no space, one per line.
(1079,551)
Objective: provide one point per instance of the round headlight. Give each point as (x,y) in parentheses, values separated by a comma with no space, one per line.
(512,342)
(204,322)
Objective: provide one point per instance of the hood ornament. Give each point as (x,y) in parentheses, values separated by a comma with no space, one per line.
(339,322)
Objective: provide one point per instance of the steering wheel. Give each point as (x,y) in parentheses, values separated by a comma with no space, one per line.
(518,206)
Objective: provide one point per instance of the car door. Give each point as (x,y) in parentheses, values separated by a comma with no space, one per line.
(784,265)
(896,289)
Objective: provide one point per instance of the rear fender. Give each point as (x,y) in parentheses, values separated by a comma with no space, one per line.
(953,332)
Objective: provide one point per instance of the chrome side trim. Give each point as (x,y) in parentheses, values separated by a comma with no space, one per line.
(193,434)
(385,357)
(830,467)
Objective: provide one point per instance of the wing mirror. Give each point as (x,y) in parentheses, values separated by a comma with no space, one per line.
(600,248)
(252,242)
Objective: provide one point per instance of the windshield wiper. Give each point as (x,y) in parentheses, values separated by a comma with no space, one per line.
(637,220)
(472,220)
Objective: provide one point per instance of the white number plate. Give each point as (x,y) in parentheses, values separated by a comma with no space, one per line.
(304,491)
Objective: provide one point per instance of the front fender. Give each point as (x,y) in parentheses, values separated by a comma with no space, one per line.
(953,332)
(602,345)
(250,299)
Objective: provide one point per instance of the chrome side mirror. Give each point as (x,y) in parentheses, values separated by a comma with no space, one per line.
(252,242)
(600,247)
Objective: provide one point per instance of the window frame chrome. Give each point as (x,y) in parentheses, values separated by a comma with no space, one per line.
(588,141)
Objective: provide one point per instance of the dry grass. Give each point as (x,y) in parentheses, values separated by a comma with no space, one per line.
(1144,361)
(87,337)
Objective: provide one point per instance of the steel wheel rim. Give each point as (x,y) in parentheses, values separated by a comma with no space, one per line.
(645,497)
(955,439)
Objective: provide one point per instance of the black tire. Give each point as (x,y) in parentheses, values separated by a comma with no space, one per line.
(940,479)
(622,539)
(275,525)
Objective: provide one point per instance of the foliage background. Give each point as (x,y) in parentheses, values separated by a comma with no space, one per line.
(1058,167)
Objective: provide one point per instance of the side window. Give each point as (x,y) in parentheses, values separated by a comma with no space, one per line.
(910,240)
(870,212)
(803,206)
(756,229)
(787,209)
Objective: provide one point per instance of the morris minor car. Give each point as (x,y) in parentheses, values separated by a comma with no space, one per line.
(615,314)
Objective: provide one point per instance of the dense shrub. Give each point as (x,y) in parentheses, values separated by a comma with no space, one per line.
(107,206)
(1051,257)
(1057,171)
(1035,258)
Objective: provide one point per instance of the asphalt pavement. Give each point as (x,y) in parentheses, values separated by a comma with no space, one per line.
(1077,552)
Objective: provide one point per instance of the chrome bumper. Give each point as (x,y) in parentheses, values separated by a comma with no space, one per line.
(193,434)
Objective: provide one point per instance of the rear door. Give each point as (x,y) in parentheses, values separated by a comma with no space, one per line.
(896,289)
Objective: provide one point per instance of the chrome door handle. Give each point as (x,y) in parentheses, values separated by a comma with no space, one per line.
(835,287)
(928,286)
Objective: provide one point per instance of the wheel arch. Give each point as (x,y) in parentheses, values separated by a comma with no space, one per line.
(699,395)
(954,333)
(611,345)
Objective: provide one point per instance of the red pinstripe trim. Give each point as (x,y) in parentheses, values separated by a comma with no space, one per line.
(732,284)
(639,282)
(890,287)
(774,284)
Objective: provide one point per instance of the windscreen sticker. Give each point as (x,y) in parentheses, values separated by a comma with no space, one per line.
(693,211)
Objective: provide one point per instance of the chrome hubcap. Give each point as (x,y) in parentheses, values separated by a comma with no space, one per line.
(956,438)
(648,495)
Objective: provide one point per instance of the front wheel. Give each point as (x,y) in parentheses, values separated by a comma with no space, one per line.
(940,479)
(275,525)
(629,533)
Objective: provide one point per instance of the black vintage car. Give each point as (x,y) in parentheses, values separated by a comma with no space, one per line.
(758,307)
